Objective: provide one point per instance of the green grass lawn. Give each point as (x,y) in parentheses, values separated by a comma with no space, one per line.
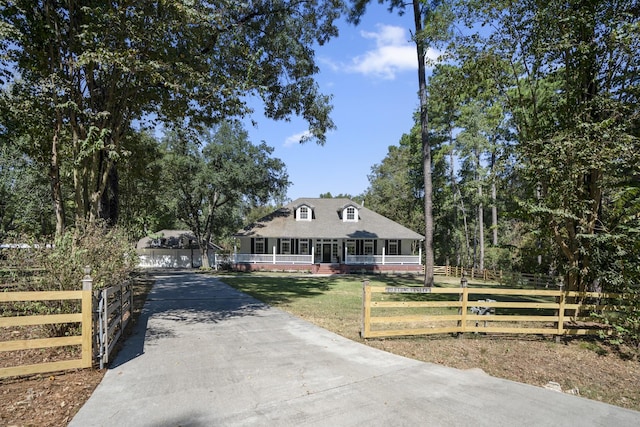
(334,303)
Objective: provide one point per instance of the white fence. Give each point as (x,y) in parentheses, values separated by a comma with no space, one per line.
(173,258)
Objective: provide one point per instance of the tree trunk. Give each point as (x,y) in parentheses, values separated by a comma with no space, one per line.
(204,252)
(480,229)
(426,148)
(56,187)
(494,206)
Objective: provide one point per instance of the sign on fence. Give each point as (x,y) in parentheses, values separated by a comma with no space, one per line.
(406,290)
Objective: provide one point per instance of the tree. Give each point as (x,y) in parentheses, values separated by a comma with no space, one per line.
(437,23)
(569,71)
(95,68)
(213,174)
(392,191)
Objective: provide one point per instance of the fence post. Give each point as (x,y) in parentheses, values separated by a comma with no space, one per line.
(462,311)
(87,318)
(561,303)
(366,310)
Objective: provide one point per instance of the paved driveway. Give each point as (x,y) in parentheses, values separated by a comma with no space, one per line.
(204,354)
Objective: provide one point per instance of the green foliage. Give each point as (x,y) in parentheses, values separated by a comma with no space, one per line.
(79,77)
(60,266)
(106,250)
(216,176)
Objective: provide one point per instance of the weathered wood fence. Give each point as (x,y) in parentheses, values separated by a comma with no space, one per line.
(509,278)
(389,311)
(83,317)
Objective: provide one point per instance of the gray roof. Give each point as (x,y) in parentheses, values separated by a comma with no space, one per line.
(327,223)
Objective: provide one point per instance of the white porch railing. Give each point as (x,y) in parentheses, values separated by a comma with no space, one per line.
(272,259)
(308,259)
(383,259)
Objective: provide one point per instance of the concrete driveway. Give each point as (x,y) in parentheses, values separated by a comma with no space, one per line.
(204,354)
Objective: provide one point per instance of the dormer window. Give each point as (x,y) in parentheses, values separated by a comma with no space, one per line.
(304,213)
(350,214)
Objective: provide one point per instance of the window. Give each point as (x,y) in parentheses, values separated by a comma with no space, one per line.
(393,247)
(351,213)
(285,246)
(303,247)
(304,213)
(351,247)
(368,247)
(259,245)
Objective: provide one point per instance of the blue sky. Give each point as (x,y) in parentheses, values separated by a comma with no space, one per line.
(371,71)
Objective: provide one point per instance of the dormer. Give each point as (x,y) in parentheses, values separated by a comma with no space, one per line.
(303,212)
(350,213)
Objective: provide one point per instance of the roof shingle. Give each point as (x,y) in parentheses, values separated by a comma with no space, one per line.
(327,223)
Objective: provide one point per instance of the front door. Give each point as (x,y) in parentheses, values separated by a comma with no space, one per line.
(326,253)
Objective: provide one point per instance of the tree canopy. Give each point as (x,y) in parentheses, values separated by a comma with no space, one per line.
(78,76)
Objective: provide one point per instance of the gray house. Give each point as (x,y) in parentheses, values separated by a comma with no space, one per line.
(327,236)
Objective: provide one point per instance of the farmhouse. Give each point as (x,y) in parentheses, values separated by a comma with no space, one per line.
(327,236)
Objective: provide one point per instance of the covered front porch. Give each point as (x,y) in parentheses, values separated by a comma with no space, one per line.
(343,255)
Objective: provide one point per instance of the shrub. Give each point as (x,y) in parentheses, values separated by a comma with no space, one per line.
(60,266)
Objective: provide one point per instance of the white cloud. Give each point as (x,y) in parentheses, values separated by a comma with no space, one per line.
(394,52)
(295,138)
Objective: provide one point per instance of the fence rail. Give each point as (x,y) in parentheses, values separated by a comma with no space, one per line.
(84,317)
(388,311)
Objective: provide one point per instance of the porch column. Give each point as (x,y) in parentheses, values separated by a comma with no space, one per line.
(274,254)
(384,253)
(313,253)
(420,254)
(346,251)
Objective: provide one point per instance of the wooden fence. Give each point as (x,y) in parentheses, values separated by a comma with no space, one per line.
(503,277)
(114,307)
(389,311)
(83,317)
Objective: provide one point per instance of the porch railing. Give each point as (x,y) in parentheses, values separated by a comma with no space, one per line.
(308,259)
(272,259)
(383,259)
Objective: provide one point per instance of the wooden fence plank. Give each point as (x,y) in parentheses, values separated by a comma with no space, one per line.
(40,368)
(45,319)
(39,296)
(40,343)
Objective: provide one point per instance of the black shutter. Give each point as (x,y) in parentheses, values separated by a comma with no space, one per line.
(278,247)
(399,247)
(267,250)
(386,247)
(375,247)
(253,245)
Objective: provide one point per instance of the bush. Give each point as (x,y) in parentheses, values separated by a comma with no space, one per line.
(106,250)
(60,266)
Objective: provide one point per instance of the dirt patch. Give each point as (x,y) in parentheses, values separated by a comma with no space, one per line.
(52,399)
